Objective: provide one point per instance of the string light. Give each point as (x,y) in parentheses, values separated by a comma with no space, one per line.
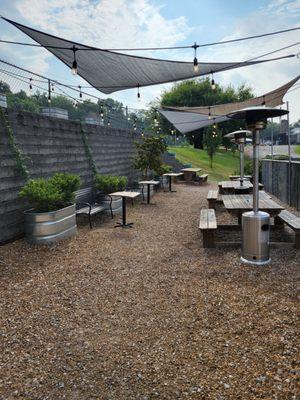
(138,93)
(213,85)
(172,131)
(196,66)
(52,87)
(80,93)
(74,65)
(75,104)
(209,113)
(30,85)
(215,125)
(108,122)
(49,91)
(101,112)
(264,101)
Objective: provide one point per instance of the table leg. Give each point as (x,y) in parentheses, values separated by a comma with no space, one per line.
(148,194)
(123,224)
(170,185)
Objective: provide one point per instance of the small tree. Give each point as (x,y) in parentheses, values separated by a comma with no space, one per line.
(212,142)
(148,154)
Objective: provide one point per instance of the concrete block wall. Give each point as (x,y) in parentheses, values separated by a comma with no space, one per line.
(275,177)
(53,145)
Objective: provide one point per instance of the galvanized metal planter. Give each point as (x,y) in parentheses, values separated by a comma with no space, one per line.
(116,204)
(49,227)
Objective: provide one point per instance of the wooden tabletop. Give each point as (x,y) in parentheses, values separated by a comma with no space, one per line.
(234,184)
(239,203)
(238,176)
(190,169)
(131,195)
(173,174)
(148,182)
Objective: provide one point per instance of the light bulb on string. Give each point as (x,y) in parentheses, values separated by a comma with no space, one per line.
(30,84)
(215,125)
(213,84)
(108,122)
(138,93)
(196,65)
(49,91)
(209,113)
(75,104)
(52,87)
(155,117)
(80,93)
(101,112)
(74,64)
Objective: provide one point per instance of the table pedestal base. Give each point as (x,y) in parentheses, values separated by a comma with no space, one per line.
(121,225)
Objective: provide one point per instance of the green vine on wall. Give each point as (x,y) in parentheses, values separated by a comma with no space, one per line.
(88,151)
(19,158)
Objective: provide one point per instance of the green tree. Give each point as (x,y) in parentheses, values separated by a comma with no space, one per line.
(148,155)
(212,141)
(198,92)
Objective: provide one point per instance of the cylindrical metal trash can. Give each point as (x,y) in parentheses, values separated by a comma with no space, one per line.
(256,237)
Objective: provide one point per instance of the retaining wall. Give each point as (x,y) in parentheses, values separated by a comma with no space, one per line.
(275,177)
(54,145)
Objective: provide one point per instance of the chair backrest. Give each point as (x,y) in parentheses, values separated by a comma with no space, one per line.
(85,195)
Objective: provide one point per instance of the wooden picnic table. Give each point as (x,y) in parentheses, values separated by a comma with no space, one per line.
(230,186)
(238,204)
(148,183)
(237,177)
(170,175)
(190,173)
(124,195)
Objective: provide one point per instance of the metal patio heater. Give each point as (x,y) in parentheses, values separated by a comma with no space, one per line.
(239,137)
(256,224)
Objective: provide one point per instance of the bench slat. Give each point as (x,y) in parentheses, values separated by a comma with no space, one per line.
(212,195)
(290,219)
(208,219)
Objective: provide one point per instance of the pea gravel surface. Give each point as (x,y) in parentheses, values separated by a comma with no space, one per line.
(147,313)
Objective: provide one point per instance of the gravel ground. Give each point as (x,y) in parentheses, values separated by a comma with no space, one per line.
(147,313)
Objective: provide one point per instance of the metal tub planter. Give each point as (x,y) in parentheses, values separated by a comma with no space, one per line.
(50,227)
(114,202)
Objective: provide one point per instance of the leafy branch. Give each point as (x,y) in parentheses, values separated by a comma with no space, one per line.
(88,151)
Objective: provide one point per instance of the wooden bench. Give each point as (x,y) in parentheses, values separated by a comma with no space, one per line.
(212,198)
(208,225)
(292,221)
(86,203)
(201,179)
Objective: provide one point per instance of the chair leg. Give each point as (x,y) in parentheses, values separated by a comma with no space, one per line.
(297,240)
(90,221)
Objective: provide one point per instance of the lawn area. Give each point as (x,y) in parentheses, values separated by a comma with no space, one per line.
(224,163)
(297,150)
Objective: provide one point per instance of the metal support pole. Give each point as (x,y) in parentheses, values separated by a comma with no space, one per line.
(256,170)
(289,153)
(241,150)
(272,138)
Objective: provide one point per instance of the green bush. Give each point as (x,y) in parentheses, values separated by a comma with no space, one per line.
(110,183)
(277,157)
(51,194)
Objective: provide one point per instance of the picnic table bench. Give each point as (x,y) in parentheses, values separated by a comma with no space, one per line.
(201,179)
(87,203)
(190,173)
(212,198)
(292,221)
(208,226)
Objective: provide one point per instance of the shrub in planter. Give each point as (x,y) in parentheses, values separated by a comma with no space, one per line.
(108,184)
(52,216)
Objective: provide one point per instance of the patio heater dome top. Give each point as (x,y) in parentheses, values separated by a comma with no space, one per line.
(255,114)
(242,133)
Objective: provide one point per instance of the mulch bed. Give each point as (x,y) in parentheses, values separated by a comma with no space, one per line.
(147,313)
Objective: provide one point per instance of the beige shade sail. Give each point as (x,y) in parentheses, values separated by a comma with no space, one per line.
(188,119)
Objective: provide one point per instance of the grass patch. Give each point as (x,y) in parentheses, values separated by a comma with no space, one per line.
(224,163)
(297,150)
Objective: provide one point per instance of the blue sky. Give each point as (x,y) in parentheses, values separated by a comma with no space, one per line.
(139,23)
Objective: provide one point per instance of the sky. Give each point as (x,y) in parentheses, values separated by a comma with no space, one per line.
(158,23)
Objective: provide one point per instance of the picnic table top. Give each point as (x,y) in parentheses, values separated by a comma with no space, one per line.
(152,182)
(235,184)
(244,202)
(191,169)
(125,193)
(238,176)
(173,174)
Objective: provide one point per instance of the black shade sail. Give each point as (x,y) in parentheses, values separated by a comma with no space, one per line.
(109,71)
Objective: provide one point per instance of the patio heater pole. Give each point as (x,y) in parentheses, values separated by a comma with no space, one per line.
(241,150)
(272,131)
(289,152)
(256,130)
